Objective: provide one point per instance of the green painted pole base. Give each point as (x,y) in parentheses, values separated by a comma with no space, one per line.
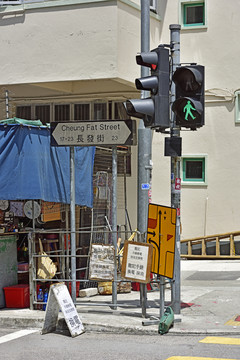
(166,321)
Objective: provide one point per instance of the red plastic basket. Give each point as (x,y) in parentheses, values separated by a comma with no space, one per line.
(17,296)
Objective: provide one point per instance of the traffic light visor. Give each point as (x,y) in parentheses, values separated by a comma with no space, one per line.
(140,107)
(189,79)
(149,59)
(147,83)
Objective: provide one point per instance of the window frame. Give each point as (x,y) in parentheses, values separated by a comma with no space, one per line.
(237,107)
(153,6)
(198,181)
(183,5)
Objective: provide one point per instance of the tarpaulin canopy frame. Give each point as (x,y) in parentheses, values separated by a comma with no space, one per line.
(31,169)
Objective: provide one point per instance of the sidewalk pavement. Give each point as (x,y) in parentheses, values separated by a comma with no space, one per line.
(208,306)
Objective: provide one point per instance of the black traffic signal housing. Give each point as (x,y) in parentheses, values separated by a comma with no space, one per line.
(189,103)
(153,110)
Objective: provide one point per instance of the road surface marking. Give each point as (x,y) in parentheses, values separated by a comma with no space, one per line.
(16,335)
(220,340)
(195,358)
(234,321)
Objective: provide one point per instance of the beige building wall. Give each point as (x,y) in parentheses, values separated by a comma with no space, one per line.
(214,207)
(70,51)
(86,50)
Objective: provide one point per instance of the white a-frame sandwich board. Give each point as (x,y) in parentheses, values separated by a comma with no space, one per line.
(59,298)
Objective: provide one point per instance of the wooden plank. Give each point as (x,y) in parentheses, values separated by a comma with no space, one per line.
(232,247)
(189,248)
(203,247)
(217,246)
(221,236)
(220,257)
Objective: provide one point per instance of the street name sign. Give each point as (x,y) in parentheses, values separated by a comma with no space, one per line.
(93,133)
(161,234)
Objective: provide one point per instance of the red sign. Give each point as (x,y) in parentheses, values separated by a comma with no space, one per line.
(178,184)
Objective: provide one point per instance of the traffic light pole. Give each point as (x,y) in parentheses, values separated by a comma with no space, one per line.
(175,171)
(144,148)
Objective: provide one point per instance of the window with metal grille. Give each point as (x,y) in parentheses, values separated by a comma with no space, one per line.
(42,112)
(193,13)
(24,112)
(81,111)
(120,111)
(194,170)
(100,111)
(62,112)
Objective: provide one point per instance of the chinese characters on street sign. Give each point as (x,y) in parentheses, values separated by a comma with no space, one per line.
(137,260)
(92,133)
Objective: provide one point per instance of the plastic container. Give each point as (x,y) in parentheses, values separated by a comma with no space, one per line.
(77,288)
(45,299)
(17,296)
(40,298)
(52,236)
(23,267)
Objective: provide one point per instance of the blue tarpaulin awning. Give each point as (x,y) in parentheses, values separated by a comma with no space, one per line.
(32,169)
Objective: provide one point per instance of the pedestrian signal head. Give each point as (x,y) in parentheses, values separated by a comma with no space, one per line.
(189,103)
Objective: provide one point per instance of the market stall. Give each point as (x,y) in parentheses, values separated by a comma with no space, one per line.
(34,178)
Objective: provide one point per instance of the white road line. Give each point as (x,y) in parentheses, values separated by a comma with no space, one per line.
(16,335)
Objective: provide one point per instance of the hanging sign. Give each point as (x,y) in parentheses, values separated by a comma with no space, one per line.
(93,133)
(59,298)
(137,261)
(101,262)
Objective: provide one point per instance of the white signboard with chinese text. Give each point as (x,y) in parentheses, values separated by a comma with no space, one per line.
(59,298)
(101,262)
(92,133)
(137,261)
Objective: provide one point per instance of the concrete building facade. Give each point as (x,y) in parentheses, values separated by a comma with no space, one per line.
(63,60)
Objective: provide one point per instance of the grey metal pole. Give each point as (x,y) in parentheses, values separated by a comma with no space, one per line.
(144,147)
(7,105)
(114,223)
(32,267)
(162,295)
(73,223)
(175,172)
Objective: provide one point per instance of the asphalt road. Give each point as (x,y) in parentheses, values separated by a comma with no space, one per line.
(108,346)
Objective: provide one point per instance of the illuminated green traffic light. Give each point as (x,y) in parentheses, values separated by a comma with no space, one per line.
(189,103)
(188,110)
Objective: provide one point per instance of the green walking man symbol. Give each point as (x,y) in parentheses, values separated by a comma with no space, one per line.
(188,110)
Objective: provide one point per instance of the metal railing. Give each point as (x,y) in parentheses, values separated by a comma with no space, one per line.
(199,247)
(61,255)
